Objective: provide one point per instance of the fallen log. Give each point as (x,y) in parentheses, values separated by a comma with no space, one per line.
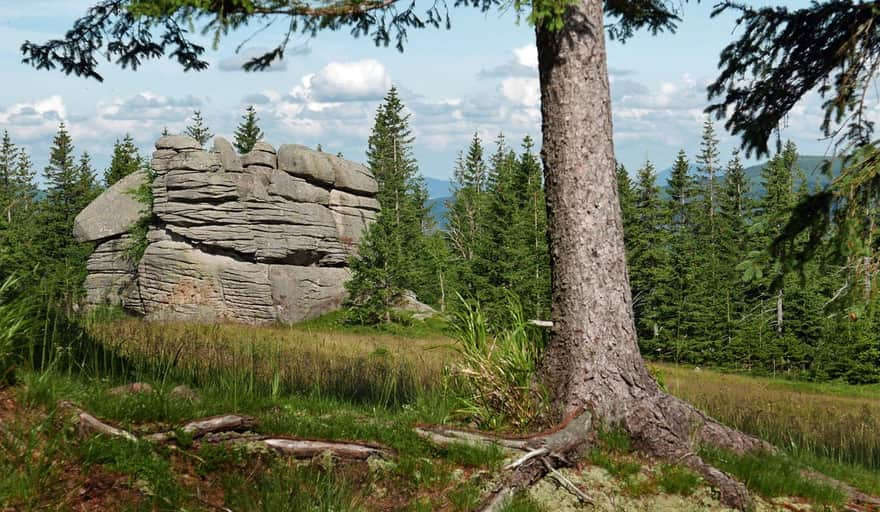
(205,426)
(308,448)
(290,446)
(89,424)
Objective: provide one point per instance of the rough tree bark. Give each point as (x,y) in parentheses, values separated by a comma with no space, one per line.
(592,361)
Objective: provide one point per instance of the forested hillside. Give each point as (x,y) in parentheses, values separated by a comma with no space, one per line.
(708,287)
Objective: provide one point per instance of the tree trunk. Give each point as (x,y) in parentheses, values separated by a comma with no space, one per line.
(592,361)
(779,313)
(592,358)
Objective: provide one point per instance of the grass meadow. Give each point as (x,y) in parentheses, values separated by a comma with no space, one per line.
(324,380)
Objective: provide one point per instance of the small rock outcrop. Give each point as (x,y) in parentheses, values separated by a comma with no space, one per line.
(256,238)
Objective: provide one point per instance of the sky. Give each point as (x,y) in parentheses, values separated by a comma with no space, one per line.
(479,77)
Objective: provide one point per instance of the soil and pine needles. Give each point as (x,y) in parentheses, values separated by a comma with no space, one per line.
(46,463)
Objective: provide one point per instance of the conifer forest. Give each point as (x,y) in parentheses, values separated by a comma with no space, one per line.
(345,257)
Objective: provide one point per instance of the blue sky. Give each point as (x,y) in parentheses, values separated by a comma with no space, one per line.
(480,76)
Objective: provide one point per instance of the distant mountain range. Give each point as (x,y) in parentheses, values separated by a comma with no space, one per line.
(811,164)
(438,188)
(440,191)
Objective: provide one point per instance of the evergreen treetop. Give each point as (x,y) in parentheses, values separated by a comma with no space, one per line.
(126,160)
(198,130)
(248,132)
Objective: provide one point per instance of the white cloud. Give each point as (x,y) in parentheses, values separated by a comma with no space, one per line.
(527,56)
(236,61)
(30,120)
(523,64)
(521,91)
(147,106)
(350,81)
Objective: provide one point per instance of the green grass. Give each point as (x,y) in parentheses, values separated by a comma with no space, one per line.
(612,454)
(149,470)
(521,503)
(832,420)
(774,475)
(336,382)
(474,456)
(676,479)
(276,361)
(291,487)
(29,462)
(433,327)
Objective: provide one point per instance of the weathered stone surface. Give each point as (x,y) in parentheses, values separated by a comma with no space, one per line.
(110,276)
(228,157)
(325,168)
(195,161)
(263,146)
(341,198)
(260,158)
(237,239)
(306,292)
(113,213)
(407,302)
(353,177)
(350,225)
(177,142)
(164,153)
(296,189)
(180,282)
(305,163)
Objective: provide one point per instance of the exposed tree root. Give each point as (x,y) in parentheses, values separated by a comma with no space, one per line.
(665,427)
(670,429)
(541,454)
(89,425)
(203,428)
(308,448)
(857,501)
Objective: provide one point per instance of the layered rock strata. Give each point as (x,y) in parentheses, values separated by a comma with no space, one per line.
(256,238)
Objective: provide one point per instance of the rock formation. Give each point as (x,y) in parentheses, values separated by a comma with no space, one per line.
(256,238)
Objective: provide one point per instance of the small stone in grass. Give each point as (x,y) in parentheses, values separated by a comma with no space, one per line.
(131,389)
(185,393)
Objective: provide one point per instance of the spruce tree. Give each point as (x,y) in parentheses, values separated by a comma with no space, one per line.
(198,130)
(8,157)
(389,257)
(735,216)
(766,274)
(678,286)
(465,214)
(648,258)
(709,167)
(248,132)
(8,161)
(627,195)
(707,305)
(126,160)
(537,297)
(17,222)
(70,187)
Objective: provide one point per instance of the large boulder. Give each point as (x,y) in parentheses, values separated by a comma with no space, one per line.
(113,213)
(259,238)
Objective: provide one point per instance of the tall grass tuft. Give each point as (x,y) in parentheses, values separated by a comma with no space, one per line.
(496,372)
(247,363)
(802,418)
(14,326)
